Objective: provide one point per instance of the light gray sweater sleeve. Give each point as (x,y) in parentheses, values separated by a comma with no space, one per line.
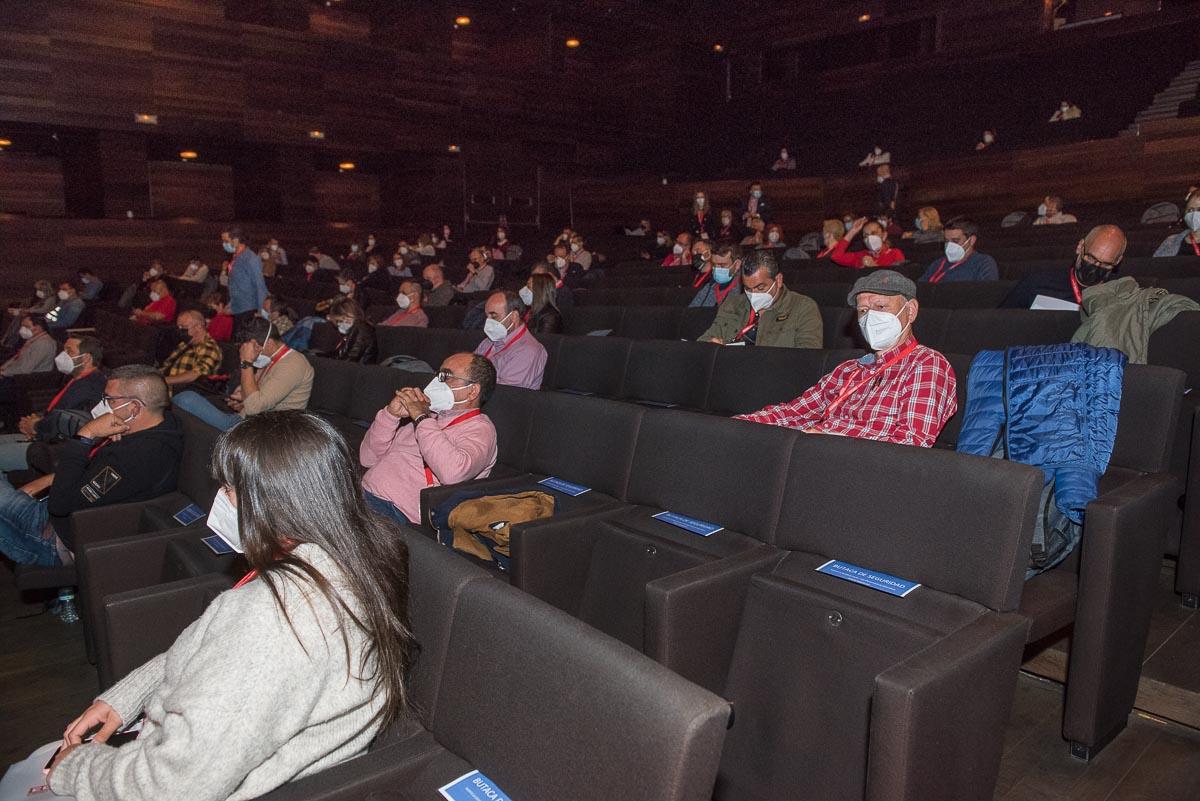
(247,690)
(128,696)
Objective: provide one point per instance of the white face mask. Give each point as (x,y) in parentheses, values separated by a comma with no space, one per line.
(760,300)
(678,249)
(223,520)
(64,362)
(773,236)
(441,395)
(372,268)
(1192,219)
(1042,210)
(874,243)
(63,294)
(354,248)
(344,289)
(560,262)
(344,327)
(576,247)
(879,179)
(403,301)
(955,251)
(495,330)
(154,297)
(526,295)
(100,409)
(500,237)
(262,359)
(370,240)
(310,268)
(662,240)
(783,155)
(726,220)
(40,294)
(26,332)
(987,137)
(404,251)
(699,202)
(881,329)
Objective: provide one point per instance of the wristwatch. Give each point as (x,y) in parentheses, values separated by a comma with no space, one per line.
(417,420)
(245,365)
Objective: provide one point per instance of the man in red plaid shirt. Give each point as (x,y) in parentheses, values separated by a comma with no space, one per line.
(902,393)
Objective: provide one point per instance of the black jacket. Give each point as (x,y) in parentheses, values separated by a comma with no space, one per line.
(548,320)
(79,397)
(358,345)
(138,467)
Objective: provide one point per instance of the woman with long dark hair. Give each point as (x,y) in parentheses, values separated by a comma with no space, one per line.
(295,669)
(540,295)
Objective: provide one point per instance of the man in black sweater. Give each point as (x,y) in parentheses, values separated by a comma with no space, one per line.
(130,452)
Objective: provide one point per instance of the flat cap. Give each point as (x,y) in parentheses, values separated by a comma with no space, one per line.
(882,282)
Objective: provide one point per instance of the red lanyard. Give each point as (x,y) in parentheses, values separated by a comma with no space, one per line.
(283,351)
(460,419)
(1195,247)
(1076,288)
(721,294)
(253,574)
(751,324)
(54,401)
(851,388)
(489,355)
(826,251)
(700,279)
(942,269)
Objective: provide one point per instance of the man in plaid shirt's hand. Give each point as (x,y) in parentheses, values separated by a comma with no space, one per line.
(904,392)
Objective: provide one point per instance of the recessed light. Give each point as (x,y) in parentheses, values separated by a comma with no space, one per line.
(572,43)
(188,155)
(462,21)
(146,119)
(453,148)
(864,17)
(5,142)
(718,48)
(316,134)
(346,166)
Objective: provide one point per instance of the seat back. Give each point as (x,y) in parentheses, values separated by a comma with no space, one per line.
(960,524)
(1174,345)
(512,411)
(1150,401)
(332,386)
(593,365)
(569,712)
(726,472)
(585,440)
(195,469)
(747,379)
(669,372)
(649,322)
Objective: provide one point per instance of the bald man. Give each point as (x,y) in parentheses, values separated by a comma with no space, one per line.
(1097,257)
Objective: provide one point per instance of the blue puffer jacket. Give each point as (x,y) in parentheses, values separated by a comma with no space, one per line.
(1060,403)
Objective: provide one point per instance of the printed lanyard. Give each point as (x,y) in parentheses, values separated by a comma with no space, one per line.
(942,269)
(460,419)
(1075,288)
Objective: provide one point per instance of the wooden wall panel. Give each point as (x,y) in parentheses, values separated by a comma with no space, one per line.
(198,85)
(125,174)
(202,191)
(346,197)
(31,185)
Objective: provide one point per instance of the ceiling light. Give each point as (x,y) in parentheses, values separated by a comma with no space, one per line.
(462,21)
(188,155)
(718,48)
(316,134)
(454,148)
(5,142)
(572,43)
(346,166)
(864,17)
(146,119)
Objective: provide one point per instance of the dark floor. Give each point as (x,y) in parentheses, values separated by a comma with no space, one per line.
(45,681)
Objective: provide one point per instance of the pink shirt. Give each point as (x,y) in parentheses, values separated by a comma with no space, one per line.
(519,359)
(416,318)
(396,459)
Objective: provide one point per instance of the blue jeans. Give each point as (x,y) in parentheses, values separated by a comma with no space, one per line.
(12,452)
(385,508)
(198,406)
(22,523)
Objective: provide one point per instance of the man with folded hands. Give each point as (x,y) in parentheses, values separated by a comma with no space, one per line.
(424,438)
(903,392)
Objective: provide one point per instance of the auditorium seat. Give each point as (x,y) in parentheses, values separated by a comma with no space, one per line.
(600,567)
(591,365)
(747,379)
(660,735)
(669,373)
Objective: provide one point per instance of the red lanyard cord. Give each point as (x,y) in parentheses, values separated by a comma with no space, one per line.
(854,386)
(460,419)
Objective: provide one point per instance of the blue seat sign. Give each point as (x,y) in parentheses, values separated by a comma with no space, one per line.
(704,529)
(868,578)
(565,487)
(473,786)
(189,514)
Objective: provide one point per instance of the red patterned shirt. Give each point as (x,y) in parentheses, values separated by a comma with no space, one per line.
(905,400)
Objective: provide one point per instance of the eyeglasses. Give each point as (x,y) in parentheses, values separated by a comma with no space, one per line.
(127,398)
(446,375)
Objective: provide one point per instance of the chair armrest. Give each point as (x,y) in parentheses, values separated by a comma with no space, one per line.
(692,617)
(108,567)
(551,558)
(117,520)
(1120,559)
(938,717)
(143,623)
(1187,573)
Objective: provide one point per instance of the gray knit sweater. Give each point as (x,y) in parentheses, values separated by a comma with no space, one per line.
(237,706)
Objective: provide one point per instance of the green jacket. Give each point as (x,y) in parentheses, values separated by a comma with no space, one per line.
(794,321)
(1120,314)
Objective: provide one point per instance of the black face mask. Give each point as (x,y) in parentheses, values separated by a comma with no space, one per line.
(1088,274)
(426,284)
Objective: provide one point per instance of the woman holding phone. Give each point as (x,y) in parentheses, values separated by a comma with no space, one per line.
(295,669)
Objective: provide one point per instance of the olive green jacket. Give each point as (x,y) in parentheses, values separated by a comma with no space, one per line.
(794,321)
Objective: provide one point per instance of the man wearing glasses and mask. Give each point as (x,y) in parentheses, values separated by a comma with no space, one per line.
(429,437)
(129,451)
(1097,257)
